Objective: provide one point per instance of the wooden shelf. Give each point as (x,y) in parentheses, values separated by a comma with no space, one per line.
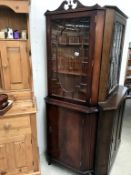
(71,44)
(21,108)
(13,39)
(128,77)
(71,73)
(129,68)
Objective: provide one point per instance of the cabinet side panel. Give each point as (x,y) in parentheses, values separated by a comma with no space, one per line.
(104,136)
(97,56)
(108,137)
(105,63)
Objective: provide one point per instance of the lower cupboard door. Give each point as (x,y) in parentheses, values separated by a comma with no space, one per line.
(16,155)
(64,136)
(70,138)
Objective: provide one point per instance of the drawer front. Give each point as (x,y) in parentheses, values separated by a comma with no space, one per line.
(15,126)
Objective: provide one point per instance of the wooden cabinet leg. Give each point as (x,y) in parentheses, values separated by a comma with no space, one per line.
(49,160)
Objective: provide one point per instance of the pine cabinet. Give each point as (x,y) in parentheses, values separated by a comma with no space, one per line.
(85,102)
(18,134)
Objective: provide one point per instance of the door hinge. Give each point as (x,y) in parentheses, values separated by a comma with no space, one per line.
(33,163)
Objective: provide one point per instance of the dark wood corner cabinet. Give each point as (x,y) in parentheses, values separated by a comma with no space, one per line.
(85,102)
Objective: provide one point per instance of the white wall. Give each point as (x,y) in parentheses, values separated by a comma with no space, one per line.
(38,44)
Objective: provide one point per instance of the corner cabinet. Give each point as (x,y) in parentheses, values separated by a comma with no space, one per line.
(18,135)
(85,102)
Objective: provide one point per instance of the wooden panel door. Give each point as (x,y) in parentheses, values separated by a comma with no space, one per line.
(14,65)
(64,136)
(70,139)
(16,155)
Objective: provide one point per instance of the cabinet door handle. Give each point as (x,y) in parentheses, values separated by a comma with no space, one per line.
(7,126)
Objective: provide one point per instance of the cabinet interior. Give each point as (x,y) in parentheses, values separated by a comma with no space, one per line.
(16,21)
(70,57)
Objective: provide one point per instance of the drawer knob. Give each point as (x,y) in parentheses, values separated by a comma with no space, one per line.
(7,126)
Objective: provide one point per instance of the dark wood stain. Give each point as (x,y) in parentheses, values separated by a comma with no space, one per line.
(84,134)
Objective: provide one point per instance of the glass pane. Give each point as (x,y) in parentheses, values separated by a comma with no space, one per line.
(69,59)
(116,56)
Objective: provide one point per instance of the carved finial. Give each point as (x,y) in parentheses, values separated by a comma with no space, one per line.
(73,5)
(70,4)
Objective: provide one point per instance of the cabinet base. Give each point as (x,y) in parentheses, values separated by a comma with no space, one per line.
(53,161)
